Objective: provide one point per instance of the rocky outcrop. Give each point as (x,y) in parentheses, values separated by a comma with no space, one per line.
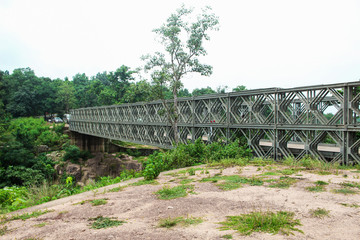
(100,165)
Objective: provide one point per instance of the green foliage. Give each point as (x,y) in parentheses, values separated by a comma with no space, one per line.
(270,222)
(26,216)
(98,202)
(170,193)
(73,153)
(345,191)
(105,222)
(283,182)
(192,154)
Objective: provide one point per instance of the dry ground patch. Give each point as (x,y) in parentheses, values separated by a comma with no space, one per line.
(207,197)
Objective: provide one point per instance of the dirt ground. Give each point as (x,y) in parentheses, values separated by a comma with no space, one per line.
(142,210)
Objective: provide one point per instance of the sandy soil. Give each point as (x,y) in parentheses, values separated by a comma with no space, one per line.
(142,210)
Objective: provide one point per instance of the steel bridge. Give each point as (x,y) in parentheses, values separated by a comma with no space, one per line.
(322,121)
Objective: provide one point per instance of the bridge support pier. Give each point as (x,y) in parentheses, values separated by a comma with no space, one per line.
(89,143)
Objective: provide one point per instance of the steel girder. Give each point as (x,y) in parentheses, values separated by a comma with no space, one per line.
(275,122)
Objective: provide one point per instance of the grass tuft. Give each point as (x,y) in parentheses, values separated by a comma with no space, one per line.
(345,191)
(26,216)
(104,222)
(117,189)
(97,202)
(172,222)
(3,230)
(283,182)
(145,182)
(354,205)
(319,212)
(321,183)
(316,189)
(279,222)
(170,193)
(227,236)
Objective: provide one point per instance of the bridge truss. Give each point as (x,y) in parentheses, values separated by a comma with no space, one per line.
(322,121)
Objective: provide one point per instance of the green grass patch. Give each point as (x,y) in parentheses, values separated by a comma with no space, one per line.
(26,216)
(97,202)
(321,183)
(353,205)
(229,162)
(270,173)
(345,191)
(351,184)
(186,181)
(283,182)
(316,189)
(117,189)
(289,171)
(233,181)
(3,230)
(323,172)
(172,222)
(319,212)
(105,222)
(144,182)
(170,193)
(39,225)
(227,236)
(270,222)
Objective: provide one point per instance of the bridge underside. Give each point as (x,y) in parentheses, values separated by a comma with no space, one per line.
(321,121)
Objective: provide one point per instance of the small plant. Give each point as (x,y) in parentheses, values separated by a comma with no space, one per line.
(227,236)
(353,205)
(39,225)
(117,189)
(98,202)
(104,222)
(171,222)
(283,182)
(321,183)
(351,184)
(344,191)
(3,230)
(319,212)
(170,193)
(144,182)
(316,189)
(26,216)
(186,181)
(271,222)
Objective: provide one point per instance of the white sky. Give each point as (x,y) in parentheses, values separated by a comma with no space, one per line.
(261,43)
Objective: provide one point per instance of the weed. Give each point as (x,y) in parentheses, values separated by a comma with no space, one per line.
(351,184)
(117,189)
(104,222)
(345,191)
(323,172)
(170,193)
(321,183)
(145,182)
(283,182)
(39,225)
(279,222)
(171,222)
(227,186)
(186,181)
(270,174)
(3,230)
(316,189)
(227,236)
(354,205)
(26,216)
(98,202)
(319,212)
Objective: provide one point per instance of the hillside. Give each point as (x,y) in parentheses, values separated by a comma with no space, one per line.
(212,194)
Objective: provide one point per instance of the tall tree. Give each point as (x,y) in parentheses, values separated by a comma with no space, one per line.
(183,41)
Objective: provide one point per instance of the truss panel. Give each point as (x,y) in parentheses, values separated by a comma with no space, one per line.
(322,121)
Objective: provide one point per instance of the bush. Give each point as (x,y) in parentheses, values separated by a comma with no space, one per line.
(191,154)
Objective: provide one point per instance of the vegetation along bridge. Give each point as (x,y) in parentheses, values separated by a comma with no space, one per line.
(322,121)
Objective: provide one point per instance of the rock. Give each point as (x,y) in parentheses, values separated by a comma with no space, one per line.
(74,170)
(170,207)
(43,148)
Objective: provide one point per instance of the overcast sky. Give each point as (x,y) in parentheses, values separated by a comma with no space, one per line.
(260,44)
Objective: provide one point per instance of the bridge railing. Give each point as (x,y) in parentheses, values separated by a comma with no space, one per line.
(275,122)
